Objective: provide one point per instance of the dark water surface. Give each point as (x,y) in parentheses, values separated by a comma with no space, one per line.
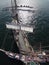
(41,33)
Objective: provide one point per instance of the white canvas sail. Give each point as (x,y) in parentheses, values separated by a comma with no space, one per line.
(20,27)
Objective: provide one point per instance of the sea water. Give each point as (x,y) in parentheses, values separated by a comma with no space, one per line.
(40,18)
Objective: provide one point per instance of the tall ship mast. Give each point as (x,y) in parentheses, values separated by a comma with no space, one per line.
(20,29)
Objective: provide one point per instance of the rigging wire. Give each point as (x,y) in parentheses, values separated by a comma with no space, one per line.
(11,46)
(45,47)
(2,46)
